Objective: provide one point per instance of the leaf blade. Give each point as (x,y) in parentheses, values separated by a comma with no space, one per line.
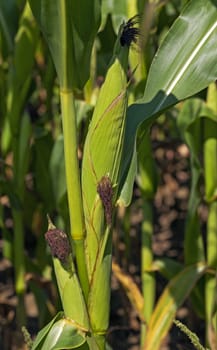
(172,297)
(179,74)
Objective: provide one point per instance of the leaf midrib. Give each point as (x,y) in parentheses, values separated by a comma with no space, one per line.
(173,83)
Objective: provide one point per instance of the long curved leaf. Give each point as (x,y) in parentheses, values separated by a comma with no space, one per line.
(184,64)
(172,297)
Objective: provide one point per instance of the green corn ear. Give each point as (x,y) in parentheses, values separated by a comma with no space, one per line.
(100,179)
(103,146)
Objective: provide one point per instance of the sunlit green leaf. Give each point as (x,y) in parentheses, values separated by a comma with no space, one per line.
(63,335)
(184,64)
(172,297)
(37,345)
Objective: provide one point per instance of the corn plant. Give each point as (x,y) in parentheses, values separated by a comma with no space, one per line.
(17,133)
(198,118)
(184,65)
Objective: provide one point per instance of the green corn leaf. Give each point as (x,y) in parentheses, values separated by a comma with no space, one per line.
(183,71)
(60,333)
(210,145)
(167,267)
(171,299)
(210,173)
(9,17)
(38,342)
(20,74)
(57,170)
(190,126)
(64,335)
(198,125)
(192,121)
(70,28)
(210,150)
(184,64)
